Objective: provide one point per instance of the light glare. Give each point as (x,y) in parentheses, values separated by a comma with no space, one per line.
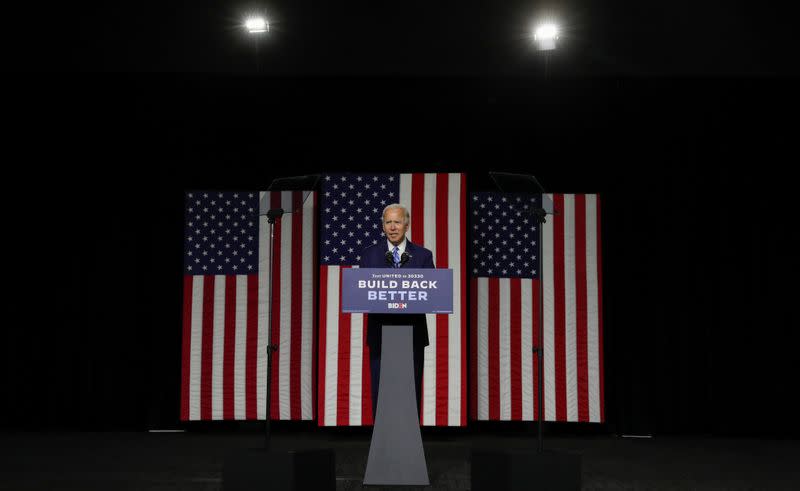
(545,36)
(256,25)
(546,31)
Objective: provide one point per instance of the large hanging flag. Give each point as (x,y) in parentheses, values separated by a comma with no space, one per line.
(226,306)
(507,265)
(351,207)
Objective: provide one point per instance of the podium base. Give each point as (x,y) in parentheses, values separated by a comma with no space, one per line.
(258,469)
(396,455)
(524,469)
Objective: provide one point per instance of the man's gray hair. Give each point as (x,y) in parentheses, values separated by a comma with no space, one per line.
(397,205)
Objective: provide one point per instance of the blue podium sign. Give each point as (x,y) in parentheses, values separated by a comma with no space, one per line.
(397,291)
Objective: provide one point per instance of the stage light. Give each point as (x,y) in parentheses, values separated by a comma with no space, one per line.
(255,25)
(545,35)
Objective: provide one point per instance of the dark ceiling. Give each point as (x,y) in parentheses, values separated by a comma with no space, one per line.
(614,37)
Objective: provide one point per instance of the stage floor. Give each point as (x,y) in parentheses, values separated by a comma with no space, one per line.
(193,461)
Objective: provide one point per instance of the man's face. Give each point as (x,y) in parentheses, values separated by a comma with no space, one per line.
(394,225)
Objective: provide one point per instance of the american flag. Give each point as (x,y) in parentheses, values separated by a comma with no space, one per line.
(226,306)
(507,265)
(351,206)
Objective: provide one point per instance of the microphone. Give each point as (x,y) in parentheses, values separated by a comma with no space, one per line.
(404,258)
(389,258)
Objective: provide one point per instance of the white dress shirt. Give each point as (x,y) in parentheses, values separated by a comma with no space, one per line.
(401,248)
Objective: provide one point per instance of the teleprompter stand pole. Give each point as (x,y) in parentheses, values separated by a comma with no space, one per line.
(540,215)
(272,215)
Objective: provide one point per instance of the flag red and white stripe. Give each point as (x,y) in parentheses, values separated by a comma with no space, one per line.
(438,222)
(504,326)
(225,321)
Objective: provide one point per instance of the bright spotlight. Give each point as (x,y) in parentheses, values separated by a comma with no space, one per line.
(545,36)
(255,25)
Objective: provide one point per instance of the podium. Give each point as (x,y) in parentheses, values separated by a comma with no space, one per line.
(396,455)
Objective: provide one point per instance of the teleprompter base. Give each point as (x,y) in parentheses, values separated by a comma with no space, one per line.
(524,469)
(261,469)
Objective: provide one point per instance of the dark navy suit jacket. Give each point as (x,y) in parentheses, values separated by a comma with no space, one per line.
(375,257)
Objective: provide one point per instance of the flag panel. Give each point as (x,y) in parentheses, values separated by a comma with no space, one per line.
(226,306)
(506,273)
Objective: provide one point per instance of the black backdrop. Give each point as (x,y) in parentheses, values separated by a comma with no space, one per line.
(699,236)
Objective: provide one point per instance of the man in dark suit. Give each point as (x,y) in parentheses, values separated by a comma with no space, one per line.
(396,252)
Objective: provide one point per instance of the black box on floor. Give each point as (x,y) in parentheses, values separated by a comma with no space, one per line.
(524,469)
(259,469)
